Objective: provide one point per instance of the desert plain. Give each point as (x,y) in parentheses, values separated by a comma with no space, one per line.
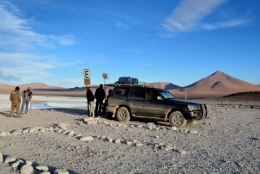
(63,139)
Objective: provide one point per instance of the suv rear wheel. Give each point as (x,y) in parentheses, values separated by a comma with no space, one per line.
(122,114)
(177,119)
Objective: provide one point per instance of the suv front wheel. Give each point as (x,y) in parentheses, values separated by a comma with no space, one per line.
(122,114)
(177,119)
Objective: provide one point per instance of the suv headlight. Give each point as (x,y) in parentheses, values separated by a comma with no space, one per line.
(194,107)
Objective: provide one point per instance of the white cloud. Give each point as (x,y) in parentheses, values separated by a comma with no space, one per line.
(121,25)
(132,50)
(224,24)
(146,64)
(8,77)
(17,33)
(29,67)
(188,15)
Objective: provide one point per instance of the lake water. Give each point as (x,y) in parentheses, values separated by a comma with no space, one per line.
(47,102)
(59,104)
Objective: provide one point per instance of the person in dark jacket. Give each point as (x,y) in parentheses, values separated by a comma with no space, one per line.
(100,95)
(90,99)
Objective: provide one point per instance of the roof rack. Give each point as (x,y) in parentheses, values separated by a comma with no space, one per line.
(116,84)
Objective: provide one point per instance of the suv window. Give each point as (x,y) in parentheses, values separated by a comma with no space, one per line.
(151,94)
(137,93)
(121,92)
(166,94)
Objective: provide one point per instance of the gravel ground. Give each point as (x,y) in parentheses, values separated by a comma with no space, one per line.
(227,141)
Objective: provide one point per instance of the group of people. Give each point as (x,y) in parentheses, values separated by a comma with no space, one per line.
(15,98)
(94,110)
(99,96)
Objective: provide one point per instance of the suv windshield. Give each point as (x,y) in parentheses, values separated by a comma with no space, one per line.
(166,94)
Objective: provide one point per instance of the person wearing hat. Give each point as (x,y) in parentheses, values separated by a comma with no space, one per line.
(100,95)
(90,99)
(15,98)
(27,96)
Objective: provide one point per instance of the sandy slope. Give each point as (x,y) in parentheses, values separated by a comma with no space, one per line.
(228,141)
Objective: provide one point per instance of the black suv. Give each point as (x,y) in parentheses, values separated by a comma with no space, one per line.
(134,100)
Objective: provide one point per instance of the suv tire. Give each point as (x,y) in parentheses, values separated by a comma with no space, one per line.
(122,114)
(177,119)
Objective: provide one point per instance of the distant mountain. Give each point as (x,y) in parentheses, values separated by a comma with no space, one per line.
(216,83)
(33,86)
(220,82)
(39,85)
(165,85)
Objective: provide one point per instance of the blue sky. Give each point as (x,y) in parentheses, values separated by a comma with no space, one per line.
(177,41)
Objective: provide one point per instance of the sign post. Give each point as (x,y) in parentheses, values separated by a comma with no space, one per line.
(105,76)
(86,74)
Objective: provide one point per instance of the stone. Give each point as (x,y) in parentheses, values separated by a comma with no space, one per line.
(183,152)
(63,126)
(64,132)
(151,126)
(43,130)
(27,169)
(89,138)
(31,130)
(193,132)
(42,168)
(2,134)
(1,157)
(174,128)
(60,171)
(15,165)
(138,144)
(129,142)
(28,163)
(17,132)
(169,147)
(117,141)
(9,159)
(70,133)
(78,135)
(25,131)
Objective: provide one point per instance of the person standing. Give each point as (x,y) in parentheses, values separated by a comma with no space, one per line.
(90,99)
(15,98)
(27,96)
(100,95)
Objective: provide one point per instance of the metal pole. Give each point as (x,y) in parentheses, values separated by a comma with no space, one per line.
(185,93)
(105,86)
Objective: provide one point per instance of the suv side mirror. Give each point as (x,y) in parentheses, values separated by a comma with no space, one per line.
(159,98)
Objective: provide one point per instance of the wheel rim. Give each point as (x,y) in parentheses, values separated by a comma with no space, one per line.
(177,119)
(122,114)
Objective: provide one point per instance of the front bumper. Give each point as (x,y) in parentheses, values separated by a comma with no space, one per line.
(200,114)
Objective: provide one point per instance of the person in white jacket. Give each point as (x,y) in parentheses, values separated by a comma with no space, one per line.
(27,96)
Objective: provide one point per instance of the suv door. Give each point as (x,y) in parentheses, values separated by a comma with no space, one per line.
(136,100)
(153,107)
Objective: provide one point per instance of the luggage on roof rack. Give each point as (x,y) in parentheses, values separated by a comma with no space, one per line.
(127,80)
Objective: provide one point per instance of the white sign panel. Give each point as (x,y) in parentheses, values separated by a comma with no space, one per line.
(86,73)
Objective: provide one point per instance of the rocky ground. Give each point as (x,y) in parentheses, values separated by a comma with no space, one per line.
(66,140)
